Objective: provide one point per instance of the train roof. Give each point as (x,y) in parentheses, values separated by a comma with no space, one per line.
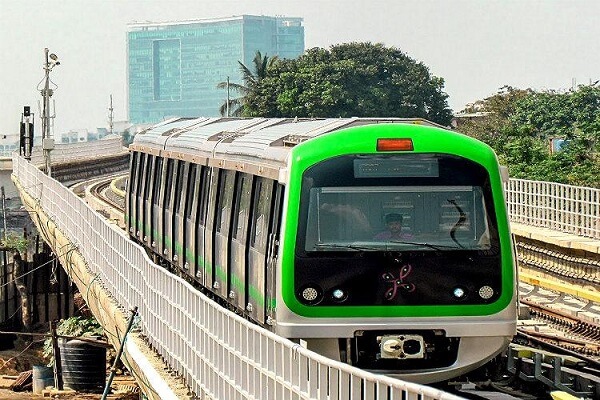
(259,140)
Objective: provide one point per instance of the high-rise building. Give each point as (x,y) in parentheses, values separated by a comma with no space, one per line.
(174,67)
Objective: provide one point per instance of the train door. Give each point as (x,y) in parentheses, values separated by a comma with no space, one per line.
(264,223)
(198,227)
(156,217)
(222,232)
(139,203)
(189,222)
(211,191)
(163,197)
(169,207)
(146,200)
(132,187)
(239,241)
(272,250)
(181,187)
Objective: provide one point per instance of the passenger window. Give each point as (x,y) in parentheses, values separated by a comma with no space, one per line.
(203,201)
(157,179)
(243,199)
(262,209)
(139,181)
(149,162)
(134,171)
(179,185)
(191,189)
(226,191)
(169,183)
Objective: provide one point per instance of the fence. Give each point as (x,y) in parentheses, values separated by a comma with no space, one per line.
(220,355)
(566,208)
(75,151)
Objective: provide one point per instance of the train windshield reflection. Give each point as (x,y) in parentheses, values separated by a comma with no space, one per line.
(400,218)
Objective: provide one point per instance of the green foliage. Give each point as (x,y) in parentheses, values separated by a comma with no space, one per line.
(520,125)
(15,242)
(76,327)
(349,80)
(251,77)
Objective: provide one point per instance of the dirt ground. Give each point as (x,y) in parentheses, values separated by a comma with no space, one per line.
(6,394)
(25,355)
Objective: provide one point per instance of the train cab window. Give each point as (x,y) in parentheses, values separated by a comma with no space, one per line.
(397,203)
(397,216)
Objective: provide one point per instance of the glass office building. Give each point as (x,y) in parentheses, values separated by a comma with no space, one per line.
(174,67)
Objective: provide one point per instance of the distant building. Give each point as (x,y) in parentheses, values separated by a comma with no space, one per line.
(174,67)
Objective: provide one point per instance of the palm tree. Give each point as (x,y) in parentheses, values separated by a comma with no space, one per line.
(251,79)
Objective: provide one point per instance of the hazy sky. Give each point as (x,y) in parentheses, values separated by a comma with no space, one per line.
(476,46)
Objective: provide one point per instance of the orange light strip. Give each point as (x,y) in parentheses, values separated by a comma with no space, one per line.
(395,145)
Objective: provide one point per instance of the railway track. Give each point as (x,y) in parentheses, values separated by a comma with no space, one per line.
(105,191)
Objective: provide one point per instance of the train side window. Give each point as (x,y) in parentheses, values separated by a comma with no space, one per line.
(156,180)
(261,214)
(190,189)
(149,161)
(203,195)
(179,185)
(243,201)
(141,163)
(133,171)
(226,192)
(169,183)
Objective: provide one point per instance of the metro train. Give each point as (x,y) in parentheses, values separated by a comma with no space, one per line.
(380,242)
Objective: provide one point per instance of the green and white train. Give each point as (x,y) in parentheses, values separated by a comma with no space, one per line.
(284,221)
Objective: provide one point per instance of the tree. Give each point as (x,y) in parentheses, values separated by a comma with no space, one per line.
(237,105)
(351,79)
(520,124)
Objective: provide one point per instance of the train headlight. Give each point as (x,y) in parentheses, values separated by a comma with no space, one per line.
(339,295)
(486,292)
(459,293)
(311,294)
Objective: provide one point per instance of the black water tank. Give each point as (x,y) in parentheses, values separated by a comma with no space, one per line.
(83,365)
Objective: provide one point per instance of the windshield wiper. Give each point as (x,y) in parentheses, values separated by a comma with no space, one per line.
(438,247)
(320,246)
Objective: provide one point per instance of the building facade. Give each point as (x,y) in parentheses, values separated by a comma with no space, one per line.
(174,67)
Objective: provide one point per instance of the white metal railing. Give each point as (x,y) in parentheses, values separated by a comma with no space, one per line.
(220,355)
(565,208)
(75,151)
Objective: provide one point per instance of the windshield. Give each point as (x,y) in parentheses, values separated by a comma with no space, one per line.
(396,202)
(396,217)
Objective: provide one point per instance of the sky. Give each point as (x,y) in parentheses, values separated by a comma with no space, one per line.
(476,46)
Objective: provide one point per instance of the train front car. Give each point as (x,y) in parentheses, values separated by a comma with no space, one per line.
(396,251)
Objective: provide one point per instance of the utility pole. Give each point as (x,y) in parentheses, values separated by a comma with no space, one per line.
(51,60)
(3,210)
(228,96)
(110,116)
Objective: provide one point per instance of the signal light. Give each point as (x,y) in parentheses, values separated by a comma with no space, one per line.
(395,145)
